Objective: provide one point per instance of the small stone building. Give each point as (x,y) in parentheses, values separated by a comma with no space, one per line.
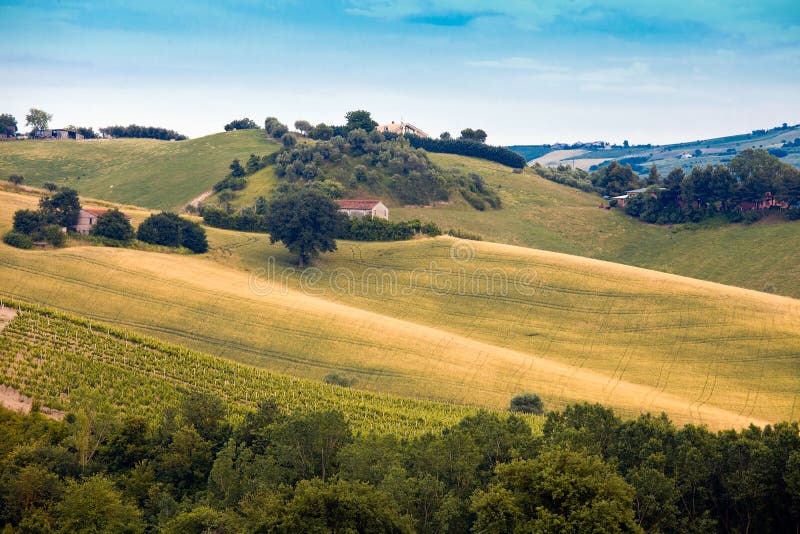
(362,208)
(88,218)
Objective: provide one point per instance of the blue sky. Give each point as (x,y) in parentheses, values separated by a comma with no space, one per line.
(524,71)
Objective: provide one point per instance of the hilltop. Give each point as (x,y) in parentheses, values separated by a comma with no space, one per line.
(145,172)
(667,157)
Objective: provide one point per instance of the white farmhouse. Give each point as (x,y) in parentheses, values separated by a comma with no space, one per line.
(362,208)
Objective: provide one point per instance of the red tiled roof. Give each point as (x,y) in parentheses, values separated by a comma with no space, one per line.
(98,212)
(357,204)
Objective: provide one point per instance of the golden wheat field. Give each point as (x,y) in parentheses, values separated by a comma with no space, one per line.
(465,322)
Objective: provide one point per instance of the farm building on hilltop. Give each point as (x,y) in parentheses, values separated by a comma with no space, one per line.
(57,134)
(362,208)
(401,128)
(88,218)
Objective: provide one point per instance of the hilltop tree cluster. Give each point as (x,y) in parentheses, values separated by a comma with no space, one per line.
(144,132)
(241,124)
(195,470)
(368,160)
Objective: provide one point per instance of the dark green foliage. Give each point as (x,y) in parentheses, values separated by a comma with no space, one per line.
(359,120)
(470,148)
(468,134)
(29,222)
(62,209)
(50,186)
(274,128)
(237,171)
(144,132)
(527,403)
(193,237)
(307,222)
(16,179)
(161,229)
(793,214)
(170,230)
(288,140)
(339,379)
(246,221)
(385,167)
(53,234)
(531,152)
(114,225)
(589,471)
(614,179)
(321,132)
(17,239)
(8,124)
(241,124)
(463,234)
(303,127)
(87,133)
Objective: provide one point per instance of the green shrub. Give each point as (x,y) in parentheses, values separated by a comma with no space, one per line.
(793,214)
(170,230)
(113,225)
(17,239)
(53,234)
(339,379)
(527,403)
(463,234)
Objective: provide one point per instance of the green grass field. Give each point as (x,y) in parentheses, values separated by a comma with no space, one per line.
(466,322)
(144,172)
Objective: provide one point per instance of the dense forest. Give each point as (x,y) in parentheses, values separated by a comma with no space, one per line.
(199,470)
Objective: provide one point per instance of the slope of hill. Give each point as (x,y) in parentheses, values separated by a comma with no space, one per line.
(472,323)
(145,172)
(542,214)
(535,213)
(667,157)
(45,355)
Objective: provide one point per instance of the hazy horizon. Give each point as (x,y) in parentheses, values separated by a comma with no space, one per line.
(527,74)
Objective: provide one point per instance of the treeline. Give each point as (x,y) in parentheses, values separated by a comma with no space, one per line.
(197,470)
(466,147)
(255,219)
(376,229)
(753,182)
(145,132)
(60,212)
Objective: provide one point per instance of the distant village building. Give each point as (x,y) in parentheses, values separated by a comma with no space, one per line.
(57,134)
(401,128)
(88,218)
(362,208)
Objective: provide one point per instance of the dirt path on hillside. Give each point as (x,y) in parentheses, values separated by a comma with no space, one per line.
(17,402)
(199,198)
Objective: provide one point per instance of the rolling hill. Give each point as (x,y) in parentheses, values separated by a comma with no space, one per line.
(667,157)
(465,322)
(144,172)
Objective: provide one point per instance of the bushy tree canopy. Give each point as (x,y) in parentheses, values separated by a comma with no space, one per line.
(359,119)
(170,230)
(38,119)
(241,124)
(114,225)
(305,221)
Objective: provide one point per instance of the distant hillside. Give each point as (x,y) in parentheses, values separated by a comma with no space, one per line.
(684,155)
(145,172)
